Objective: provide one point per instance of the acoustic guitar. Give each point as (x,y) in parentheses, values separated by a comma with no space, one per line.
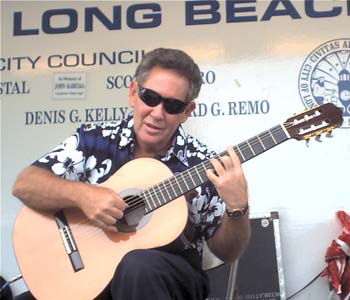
(62,256)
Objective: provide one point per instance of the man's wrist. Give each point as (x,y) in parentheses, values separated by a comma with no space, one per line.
(234,213)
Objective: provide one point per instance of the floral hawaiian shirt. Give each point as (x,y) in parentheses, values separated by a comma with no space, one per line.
(96,151)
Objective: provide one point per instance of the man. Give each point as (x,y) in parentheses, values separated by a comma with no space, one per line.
(166,83)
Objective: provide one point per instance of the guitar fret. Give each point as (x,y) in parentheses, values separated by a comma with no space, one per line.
(199,175)
(169,197)
(262,144)
(150,198)
(239,153)
(193,181)
(272,137)
(251,147)
(173,189)
(144,196)
(248,154)
(184,181)
(163,198)
(178,185)
(157,196)
(267,140)
(202,169)
(256,144)
(280,136)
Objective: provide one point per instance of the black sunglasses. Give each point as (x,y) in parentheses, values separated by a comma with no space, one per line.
(171,105)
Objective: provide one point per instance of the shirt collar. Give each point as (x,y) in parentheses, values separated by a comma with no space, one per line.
(127,134)
(178,147)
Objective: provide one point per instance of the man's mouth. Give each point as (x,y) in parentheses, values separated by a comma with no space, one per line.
(153,127)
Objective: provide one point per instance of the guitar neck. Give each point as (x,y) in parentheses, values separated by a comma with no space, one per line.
(180,184)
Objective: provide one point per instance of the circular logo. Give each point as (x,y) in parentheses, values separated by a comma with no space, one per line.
(325,77)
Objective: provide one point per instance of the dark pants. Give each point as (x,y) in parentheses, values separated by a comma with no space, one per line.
(156,275)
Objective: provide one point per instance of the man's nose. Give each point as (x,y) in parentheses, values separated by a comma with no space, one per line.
(158,111)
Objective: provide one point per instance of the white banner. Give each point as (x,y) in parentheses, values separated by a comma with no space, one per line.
(64,63)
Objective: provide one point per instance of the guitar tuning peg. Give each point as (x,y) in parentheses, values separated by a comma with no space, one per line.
(329,134)
(307,142)
(318,138)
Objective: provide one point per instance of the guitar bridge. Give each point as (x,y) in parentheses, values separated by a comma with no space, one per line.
(69,242)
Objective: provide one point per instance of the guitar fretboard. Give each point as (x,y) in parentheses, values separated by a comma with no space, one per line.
(186,181)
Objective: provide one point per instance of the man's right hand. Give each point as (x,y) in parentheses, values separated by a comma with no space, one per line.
(103,206)
(40,189)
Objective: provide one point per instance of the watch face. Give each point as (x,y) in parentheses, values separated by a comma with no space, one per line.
(345,95)
(236,214)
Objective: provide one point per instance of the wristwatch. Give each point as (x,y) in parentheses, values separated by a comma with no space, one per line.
(236,212)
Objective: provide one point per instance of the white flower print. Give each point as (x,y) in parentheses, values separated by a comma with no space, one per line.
(93,174)
(216,208)
(196,208)
(69,160)
(109,132)
(125,137)
(180,140)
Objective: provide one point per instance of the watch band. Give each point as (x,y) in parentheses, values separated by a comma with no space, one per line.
(237,212)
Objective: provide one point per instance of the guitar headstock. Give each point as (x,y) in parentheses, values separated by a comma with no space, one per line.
(314,122)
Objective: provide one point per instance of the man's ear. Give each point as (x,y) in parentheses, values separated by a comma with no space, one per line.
(132,93)
(189,109)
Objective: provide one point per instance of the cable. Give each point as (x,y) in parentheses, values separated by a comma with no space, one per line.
(7,283)
(303,288)
(4,286)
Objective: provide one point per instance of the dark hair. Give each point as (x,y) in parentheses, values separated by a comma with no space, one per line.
(173,59)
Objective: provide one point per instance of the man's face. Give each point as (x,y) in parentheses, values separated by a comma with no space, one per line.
(153,126)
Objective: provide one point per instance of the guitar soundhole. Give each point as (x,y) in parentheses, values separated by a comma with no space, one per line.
(134,216)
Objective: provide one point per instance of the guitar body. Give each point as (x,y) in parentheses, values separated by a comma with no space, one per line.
(42,256)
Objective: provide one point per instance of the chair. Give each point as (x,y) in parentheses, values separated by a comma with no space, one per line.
(222,276)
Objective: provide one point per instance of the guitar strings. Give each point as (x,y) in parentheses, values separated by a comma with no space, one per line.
(85,235)
(189,173)
(137,201)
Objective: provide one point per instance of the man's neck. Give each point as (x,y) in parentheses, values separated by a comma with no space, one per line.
(142,152)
